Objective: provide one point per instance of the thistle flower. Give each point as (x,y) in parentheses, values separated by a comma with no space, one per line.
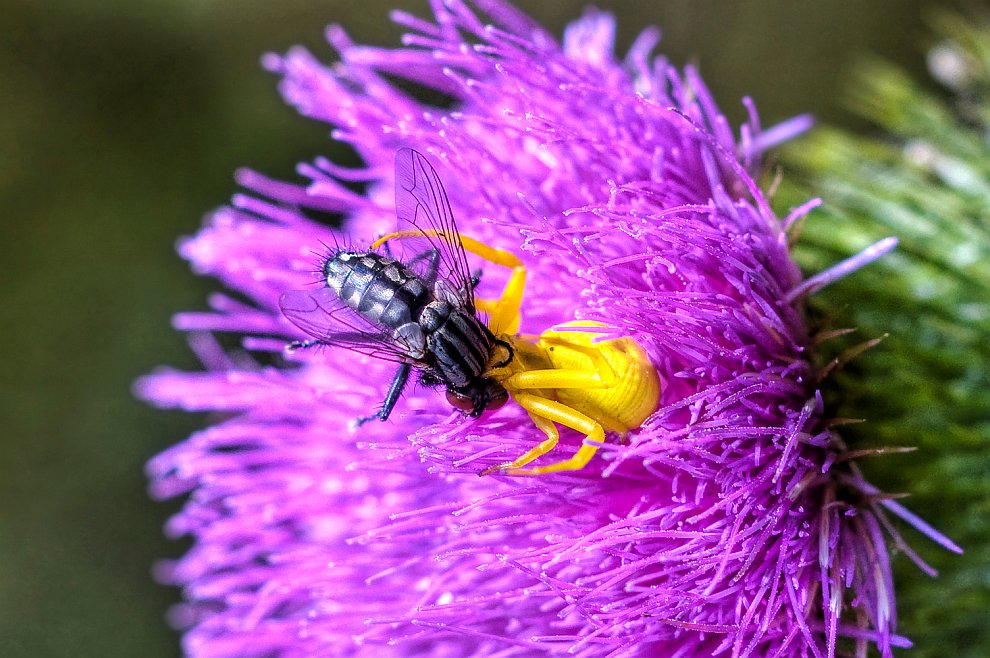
(731,523)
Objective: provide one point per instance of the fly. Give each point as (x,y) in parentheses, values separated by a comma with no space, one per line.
(418,311)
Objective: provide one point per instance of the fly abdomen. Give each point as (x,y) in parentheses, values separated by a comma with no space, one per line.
(381,289)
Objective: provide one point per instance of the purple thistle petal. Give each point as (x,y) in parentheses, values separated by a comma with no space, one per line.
(836,272)
(727,525)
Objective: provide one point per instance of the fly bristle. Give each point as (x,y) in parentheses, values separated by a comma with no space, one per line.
(340,245)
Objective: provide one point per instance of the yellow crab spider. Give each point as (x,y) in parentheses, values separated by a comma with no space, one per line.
(563,376)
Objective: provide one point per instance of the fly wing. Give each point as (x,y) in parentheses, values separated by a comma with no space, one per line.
(421,205)
(322,315)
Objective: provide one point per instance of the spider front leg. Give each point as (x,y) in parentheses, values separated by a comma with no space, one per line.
(503,313)
(545,413)
(504,316)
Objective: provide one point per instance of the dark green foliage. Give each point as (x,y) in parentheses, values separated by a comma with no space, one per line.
(926,180)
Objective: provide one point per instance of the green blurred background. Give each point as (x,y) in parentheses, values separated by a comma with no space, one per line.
(120,126)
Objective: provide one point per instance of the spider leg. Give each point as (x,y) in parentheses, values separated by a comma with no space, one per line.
(607,377)
(545,413)
(527,388)
(503,313)
(554,378)
(603,376)
(548,428)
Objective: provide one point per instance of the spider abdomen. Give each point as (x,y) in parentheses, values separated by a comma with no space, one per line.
(628,400)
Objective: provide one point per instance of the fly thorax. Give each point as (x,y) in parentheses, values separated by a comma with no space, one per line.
(460,348)
(434,315)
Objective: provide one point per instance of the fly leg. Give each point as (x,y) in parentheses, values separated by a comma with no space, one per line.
(302,345)
(394,391)
(475,280)
(314,342)
(432,259)
(395,388)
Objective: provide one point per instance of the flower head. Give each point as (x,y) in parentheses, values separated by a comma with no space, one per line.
(725,525)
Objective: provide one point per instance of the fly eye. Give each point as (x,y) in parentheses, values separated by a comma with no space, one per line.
(459,401)
(497,401)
